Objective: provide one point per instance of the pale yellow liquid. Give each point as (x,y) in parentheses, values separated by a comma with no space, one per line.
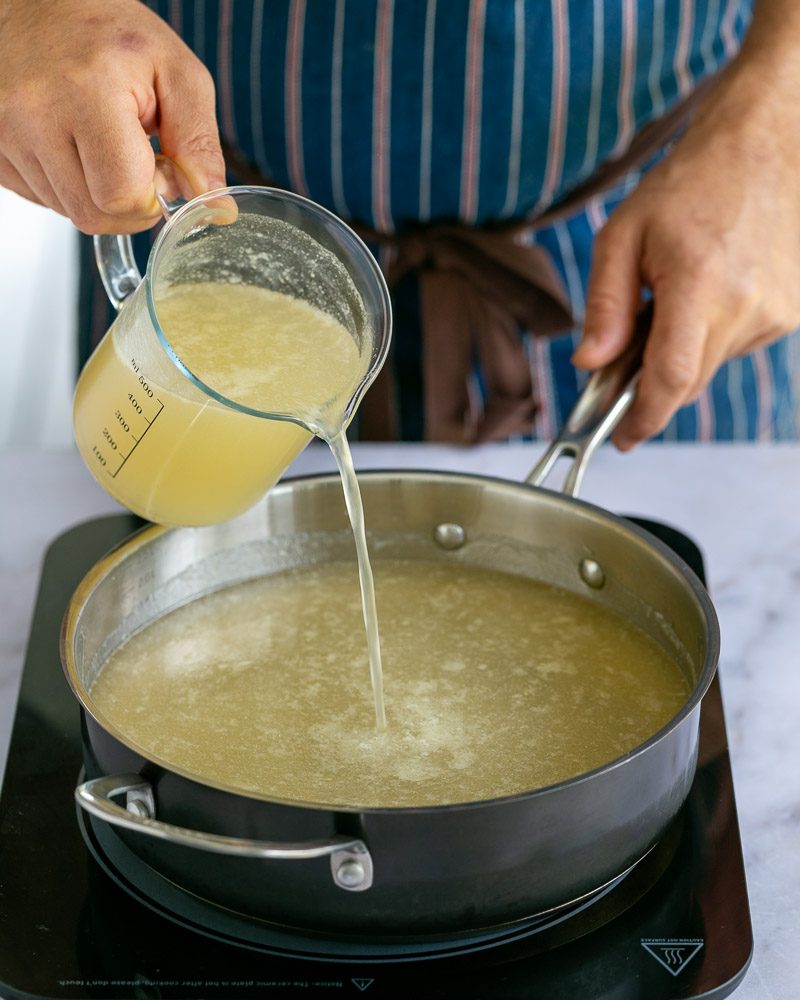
(172,454)
(498,684)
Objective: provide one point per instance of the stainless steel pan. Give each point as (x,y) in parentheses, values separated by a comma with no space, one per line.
(383,872)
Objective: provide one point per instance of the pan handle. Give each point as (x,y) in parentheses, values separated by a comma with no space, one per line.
(351,862)
(604,401)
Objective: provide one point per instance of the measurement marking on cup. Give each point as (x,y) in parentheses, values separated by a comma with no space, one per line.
(139,439)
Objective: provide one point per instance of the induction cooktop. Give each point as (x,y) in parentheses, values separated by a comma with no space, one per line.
(79,918)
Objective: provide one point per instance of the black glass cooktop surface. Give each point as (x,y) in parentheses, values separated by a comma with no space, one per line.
(73,924)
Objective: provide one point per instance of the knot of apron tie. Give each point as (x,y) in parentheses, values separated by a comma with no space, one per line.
(479,289)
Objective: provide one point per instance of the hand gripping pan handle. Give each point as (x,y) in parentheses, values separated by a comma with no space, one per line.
(604,401)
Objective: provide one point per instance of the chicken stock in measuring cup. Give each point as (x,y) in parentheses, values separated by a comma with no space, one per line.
(261,320)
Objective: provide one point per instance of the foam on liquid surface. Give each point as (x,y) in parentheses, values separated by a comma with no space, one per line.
(494,685)
(264,349)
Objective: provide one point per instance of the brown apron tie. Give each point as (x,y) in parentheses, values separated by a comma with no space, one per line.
(478,289)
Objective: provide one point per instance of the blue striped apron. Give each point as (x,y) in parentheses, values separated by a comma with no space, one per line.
(396,112)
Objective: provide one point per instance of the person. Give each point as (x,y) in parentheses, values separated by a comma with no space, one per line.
(459,137)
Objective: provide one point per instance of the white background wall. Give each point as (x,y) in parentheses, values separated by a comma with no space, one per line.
(38,297)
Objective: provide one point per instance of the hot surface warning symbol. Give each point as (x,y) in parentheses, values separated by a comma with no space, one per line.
(673,953)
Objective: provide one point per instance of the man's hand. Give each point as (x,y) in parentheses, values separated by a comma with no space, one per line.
(83,83)
(714,232)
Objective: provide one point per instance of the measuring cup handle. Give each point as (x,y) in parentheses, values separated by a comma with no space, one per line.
(117,267)
(605,399)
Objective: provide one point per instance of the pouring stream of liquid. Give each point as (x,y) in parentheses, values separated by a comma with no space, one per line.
(355,510)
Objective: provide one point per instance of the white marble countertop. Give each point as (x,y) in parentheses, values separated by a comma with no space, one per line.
(740,503)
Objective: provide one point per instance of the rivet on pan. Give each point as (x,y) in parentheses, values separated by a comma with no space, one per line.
(592,573)
(449,536)
(140,802)
(350,874)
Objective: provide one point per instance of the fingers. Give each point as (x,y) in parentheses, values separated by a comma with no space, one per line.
(98,211)
(95,167)
(689,335)
(35,179)
(10,178)
(188,130)
(613,296)
(700,320)
(672,367)
(101,174)
(74,125)
(116,159)
(58,181)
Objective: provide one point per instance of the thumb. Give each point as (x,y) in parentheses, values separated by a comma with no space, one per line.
(612,298)
(187,130)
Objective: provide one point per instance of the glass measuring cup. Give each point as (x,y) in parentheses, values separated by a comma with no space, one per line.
(159,430)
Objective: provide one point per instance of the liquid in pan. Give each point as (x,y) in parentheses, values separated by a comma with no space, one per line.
(494,684)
